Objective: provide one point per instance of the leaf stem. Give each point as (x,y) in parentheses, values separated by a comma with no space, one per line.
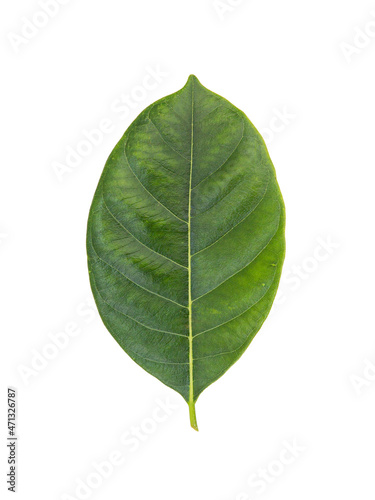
(193,417)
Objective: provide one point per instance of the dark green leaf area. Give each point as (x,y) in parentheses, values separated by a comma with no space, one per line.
(186,239)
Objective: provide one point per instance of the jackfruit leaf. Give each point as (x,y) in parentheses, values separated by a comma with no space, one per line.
(185,239)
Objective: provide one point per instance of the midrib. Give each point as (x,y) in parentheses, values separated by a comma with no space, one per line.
(193,419)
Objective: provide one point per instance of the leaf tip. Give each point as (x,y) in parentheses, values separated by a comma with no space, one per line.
(192,79)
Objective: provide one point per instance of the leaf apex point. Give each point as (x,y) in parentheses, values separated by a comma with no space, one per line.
(193,78)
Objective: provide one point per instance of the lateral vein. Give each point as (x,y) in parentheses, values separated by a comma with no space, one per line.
(130,317)
(147,191)
(131,234)
(131,281)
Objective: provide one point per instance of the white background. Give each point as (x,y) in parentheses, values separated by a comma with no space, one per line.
(308,377)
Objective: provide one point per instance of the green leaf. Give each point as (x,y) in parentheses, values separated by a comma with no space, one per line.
(185,239)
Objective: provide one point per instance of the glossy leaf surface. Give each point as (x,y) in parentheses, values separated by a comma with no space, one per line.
(186,239)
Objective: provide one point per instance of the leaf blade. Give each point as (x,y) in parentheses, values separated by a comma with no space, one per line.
(178,281)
